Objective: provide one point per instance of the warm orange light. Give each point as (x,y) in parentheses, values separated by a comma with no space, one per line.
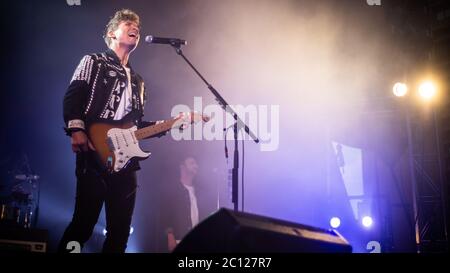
(427,90)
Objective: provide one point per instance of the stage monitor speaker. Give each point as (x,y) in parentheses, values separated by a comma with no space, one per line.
(16,239)
(227,231)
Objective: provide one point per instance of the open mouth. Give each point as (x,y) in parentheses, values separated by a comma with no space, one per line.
(132,34)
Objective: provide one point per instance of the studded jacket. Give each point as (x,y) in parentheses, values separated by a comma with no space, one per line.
(96,89)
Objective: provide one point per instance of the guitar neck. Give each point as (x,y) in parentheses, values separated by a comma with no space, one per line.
(155,129)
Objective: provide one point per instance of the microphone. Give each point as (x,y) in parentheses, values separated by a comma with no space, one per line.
(159,40)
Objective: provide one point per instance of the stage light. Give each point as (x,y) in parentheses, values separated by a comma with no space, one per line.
(335,222)
(367,221)
(131,231)
(400,89)
(427,90)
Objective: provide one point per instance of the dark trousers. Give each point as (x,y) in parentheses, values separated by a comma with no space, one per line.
(94,187)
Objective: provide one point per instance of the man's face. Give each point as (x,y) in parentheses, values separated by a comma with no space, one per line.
(191,165)
(127,34)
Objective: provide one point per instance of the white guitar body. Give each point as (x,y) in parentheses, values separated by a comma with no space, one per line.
(125,146)
(117,143)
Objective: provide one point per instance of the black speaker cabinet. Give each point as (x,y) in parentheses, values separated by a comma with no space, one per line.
(227,231)
(16,239)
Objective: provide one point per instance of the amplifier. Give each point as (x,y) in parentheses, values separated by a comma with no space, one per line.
(16,239)
(227,231)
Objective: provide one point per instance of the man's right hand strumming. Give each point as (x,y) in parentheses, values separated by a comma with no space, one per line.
(80,142)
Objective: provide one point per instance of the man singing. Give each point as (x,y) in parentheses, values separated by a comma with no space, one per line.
(104,88)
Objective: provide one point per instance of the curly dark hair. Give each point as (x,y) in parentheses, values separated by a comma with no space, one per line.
(120,16)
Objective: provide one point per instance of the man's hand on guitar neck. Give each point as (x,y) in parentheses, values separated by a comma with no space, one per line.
(80,142)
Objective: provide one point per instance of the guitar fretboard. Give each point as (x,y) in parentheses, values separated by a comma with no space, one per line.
(152,130)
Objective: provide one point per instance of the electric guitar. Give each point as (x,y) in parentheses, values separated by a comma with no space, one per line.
(117,143)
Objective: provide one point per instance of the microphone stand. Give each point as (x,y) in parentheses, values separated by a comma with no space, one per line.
(238,124)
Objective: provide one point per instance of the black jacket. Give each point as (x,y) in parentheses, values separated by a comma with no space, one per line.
(175,209)
(95,91)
